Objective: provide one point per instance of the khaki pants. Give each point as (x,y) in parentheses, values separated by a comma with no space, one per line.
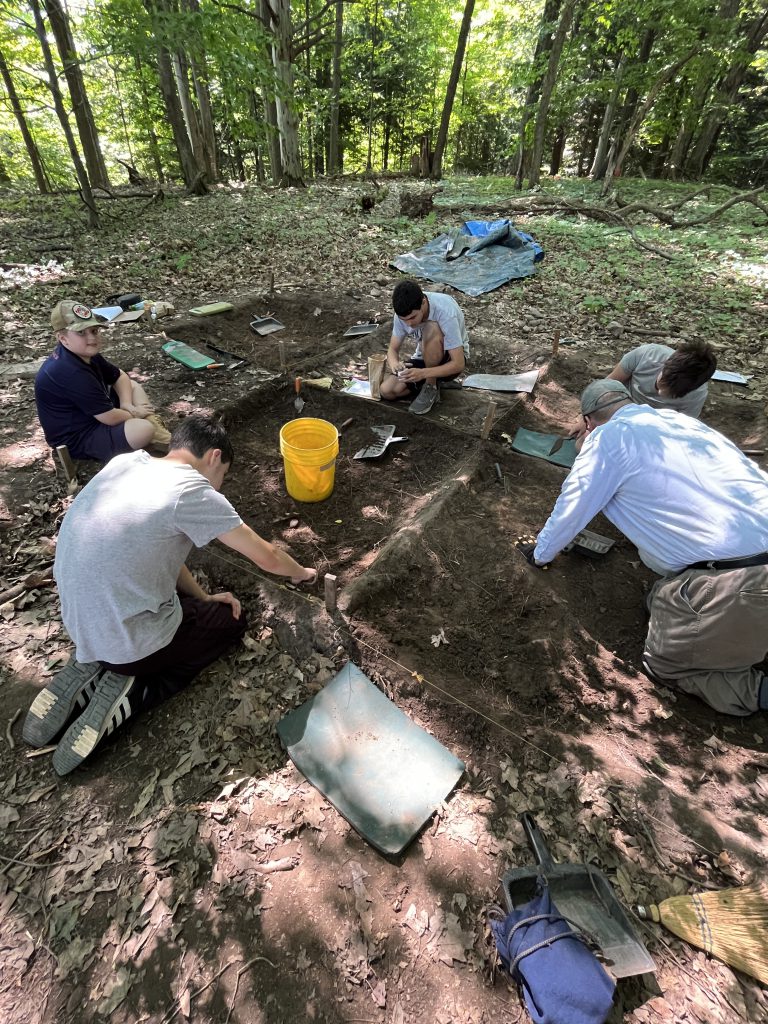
(708,628)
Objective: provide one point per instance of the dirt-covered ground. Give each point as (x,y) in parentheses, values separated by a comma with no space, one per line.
(188,871)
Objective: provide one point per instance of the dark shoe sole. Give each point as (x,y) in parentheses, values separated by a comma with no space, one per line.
(109,708)
(52,707)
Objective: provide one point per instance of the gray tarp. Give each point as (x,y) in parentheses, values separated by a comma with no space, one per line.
(489,262)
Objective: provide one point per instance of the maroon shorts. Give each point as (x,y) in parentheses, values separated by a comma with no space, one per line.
(207,630)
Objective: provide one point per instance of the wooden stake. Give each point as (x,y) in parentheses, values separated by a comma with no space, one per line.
(271,283)
(281,349)
(555,343)
(330,593)
(66,462)
(488,421)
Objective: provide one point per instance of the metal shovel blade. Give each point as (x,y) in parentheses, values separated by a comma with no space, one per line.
(385,434)
(298,403)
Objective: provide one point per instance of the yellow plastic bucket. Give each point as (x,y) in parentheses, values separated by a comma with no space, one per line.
(309,448)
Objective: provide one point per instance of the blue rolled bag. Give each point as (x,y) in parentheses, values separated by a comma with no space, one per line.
(563,982)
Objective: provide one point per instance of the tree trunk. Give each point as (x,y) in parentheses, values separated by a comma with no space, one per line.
(152,143)
(287,120)
(192,173)
(334,151)
(543,45)
(633,97)
(617,160)
(755,32)
(368,165)
(600,162)
(58,103)
(33,153)
(86,126)
(547,88)
(685,134)
(189,168)
(557,150)
(5,178)
(198,64)
(191,119)
(450,92)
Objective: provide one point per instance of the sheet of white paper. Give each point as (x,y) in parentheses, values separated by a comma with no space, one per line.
(731,377)
(503,381)
(361,388)
(108,312)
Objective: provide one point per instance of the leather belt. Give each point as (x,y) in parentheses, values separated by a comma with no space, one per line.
(733,563)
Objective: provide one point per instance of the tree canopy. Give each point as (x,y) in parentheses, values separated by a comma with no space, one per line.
(98,92)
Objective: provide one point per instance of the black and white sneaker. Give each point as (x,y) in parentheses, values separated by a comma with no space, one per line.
(53,707)
(426,398)
(109,708)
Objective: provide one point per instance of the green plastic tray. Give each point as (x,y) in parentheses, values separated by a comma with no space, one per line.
(210,308)
(183,353)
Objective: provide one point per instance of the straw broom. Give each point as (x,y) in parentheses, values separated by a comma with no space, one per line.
(731,924)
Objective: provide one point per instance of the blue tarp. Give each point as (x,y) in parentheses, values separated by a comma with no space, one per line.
(499,254)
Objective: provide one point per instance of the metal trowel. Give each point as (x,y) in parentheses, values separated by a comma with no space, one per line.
(298,403)
(385,436)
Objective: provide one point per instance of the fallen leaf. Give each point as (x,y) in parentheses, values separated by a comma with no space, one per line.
(146,794)
(115,992)
(379,995)
(8,815)
(439,638)
(417,921)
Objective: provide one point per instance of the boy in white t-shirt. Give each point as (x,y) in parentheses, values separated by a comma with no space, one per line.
(435,323)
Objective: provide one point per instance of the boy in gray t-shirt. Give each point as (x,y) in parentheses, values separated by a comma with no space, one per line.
(666,378)
(435,324)
(142,626)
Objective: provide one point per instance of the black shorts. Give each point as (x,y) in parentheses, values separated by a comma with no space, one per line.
(419,364)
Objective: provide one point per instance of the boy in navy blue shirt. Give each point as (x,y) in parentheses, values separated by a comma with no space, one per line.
(86,402)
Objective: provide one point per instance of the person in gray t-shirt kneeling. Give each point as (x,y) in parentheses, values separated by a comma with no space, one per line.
(434,323)
(142,626)
(664,378)
(668,378)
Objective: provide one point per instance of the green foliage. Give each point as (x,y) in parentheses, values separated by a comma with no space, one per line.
(395,66)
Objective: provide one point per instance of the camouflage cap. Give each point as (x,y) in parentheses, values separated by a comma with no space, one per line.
(74,316)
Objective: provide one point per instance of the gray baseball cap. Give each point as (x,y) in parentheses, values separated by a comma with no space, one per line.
(601,394)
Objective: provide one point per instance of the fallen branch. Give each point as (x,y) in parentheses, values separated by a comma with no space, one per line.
(666,214)
(284,864)
(35,579)
(171,1013)
(9,727)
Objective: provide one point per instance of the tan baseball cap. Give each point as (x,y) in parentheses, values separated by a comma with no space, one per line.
(74,316)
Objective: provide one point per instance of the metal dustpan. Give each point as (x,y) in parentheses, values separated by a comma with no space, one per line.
(357,330)
(585,897)
(385,435)
(266,325)
(590,544)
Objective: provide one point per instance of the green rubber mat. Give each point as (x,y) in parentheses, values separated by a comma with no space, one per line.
(528,442)
(380,770)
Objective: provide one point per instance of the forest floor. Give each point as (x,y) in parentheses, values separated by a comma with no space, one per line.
(188,871)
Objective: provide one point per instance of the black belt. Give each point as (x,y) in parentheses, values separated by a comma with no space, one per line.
(733,563)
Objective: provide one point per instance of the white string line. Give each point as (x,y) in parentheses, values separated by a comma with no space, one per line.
(311,599)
